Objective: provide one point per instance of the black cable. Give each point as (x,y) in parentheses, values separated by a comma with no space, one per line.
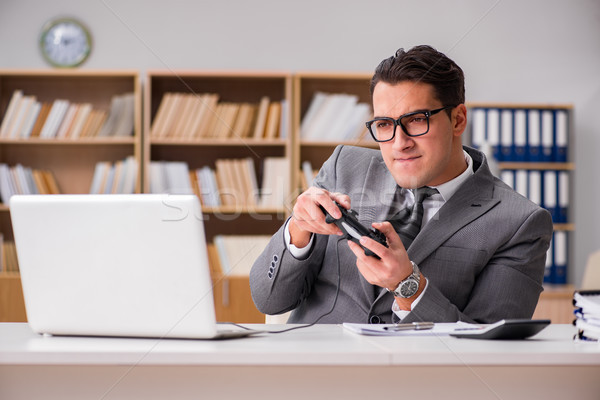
(337,291)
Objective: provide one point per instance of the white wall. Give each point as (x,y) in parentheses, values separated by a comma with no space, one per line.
(542,51)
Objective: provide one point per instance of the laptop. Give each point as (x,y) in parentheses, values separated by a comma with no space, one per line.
(116,265)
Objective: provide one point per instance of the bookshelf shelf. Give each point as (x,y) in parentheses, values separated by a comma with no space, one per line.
(331,144)
(564,227)
(538,166)
(221,142)
(243,210)
(70,142)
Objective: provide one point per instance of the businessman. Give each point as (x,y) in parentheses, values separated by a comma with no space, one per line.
(461,245)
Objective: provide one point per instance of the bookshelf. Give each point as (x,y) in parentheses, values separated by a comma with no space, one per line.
(317,149)
(211,142)
(530,143)
(70,160)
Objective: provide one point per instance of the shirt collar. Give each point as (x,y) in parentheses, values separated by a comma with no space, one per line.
(447,189)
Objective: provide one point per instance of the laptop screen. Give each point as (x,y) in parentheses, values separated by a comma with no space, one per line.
(116,265)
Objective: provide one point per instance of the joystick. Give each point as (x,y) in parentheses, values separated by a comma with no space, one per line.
(353,230)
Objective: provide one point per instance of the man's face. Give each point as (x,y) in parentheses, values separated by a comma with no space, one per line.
(427,160)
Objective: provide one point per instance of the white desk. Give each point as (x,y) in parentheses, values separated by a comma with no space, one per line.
(321,362)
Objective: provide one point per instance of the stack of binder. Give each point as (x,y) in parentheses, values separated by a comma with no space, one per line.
(522,134)
(535,140)
(587,315)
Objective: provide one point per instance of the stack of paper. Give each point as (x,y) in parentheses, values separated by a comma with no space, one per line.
(587,314)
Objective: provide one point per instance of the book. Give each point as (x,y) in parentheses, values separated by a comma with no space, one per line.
(40,120)
(11,110)
(51,182)
(21,115)
(209,112)
(160,119)
(261,118)
(192,124)
(207,186)
(120,119)
(83,112)
(252,183)
(225,181)
(55,116)
(30,120)
(309,116)
(273,120)
(170,177)
(67,121)
(226,123)
(20,179)
(184,115)
(275,185)
(241,127)
(167,126)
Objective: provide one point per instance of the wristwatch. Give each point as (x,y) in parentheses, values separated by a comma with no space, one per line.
(409,286)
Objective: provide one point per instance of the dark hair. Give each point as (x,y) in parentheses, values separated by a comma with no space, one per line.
(426,65)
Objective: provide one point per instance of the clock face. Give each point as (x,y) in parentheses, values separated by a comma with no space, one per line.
(409,288)
(65,42)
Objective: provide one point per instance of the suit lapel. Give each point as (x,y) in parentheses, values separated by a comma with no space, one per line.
(377,193)
(463,208)
(476,192)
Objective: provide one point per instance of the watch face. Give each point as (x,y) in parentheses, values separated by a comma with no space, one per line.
(65,42)
(409,288)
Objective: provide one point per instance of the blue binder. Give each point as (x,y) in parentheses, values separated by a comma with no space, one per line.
(562,136)
(507,130)
(534,136)
(548,136)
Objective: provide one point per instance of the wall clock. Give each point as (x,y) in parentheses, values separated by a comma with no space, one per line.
(65,42)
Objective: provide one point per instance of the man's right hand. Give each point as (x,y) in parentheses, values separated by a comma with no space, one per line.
(308,218)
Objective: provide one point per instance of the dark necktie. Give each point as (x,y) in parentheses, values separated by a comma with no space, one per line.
(408,221)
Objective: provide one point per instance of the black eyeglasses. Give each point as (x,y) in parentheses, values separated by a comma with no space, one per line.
(413,124)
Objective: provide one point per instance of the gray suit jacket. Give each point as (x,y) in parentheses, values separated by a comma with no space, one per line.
(483,253)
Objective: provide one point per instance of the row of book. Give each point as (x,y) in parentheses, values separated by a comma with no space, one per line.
(192,116)
(237,253)
(232,182)
(8,256)
(335,117)
(587,315)
(25,180)
(555,271)
(522,134)
(26,117)
(546,188)
(115,178)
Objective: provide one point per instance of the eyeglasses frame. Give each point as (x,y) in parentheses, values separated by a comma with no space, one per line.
(428,114)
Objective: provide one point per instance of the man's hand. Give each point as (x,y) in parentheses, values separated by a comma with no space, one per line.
(308,218)
(393,266)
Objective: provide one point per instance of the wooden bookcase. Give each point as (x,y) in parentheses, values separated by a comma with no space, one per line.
(233,301)
(72,161)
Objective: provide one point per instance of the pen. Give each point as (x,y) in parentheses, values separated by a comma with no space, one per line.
(413,326)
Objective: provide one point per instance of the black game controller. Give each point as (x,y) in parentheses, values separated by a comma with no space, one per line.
(353,230)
